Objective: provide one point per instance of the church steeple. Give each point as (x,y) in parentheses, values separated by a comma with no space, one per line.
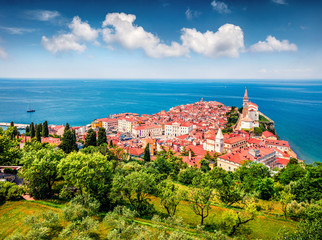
(219,142)
(245,103)
(246,95)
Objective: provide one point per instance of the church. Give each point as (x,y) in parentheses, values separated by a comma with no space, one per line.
(250,114)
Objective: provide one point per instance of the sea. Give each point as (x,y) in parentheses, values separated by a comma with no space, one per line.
(294,105)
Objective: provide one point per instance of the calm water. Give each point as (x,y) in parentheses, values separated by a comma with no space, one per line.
(295,106)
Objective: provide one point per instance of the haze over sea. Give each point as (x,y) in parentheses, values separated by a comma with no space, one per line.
(295,106)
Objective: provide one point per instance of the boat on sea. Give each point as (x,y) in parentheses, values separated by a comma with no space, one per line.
(30,109)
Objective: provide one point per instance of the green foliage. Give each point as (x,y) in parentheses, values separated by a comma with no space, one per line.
(9,149)
(32,130)
(90,139)
(79,213)
(101,136)
(38,132)
(88,173)
(68,143)
(66,127)
(265,188)
(187,175)
(263,119)
(136,188)
(233,222)
(9,170)
(200,201)
(296,211)
(170,196)
(258,130)
(204,165)
(10,191)
(228,191)
(80,207)
(40,171)
(45,132)
(285,199)
(147,157)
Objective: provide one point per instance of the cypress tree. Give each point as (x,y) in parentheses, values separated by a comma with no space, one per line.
(32,130)
(66,127)
(101,136)
(68,143)
(45,132)
(12,124)
(147,157)
(27,130)
(90,139)
(38,132)
(111,143)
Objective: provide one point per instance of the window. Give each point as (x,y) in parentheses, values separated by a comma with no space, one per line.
(229,168)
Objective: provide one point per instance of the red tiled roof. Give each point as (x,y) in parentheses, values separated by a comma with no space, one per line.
(234,140)
(268,134)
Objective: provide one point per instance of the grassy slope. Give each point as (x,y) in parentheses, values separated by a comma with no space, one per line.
(12,215)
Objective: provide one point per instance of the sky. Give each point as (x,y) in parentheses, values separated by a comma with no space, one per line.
(161,39)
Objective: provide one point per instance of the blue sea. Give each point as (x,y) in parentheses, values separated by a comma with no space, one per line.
(295,106)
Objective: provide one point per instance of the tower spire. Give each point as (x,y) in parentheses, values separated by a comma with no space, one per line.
(246,95)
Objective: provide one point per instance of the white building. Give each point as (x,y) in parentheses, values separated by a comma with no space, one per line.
(250,115)
(147,131)
(215,144)
(125,125)
(177,129)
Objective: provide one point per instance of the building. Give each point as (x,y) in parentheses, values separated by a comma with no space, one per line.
(234,143)
(147,131)
(125,125)
(215,144)
(231,161)
(175,129)
(250,114)
(279,144)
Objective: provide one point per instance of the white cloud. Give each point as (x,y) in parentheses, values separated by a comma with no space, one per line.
(220,7)
(282,2)
(3,53)
(42,15)
(227,41)
(122,31)
(62,43)
(190,14)
(83,30)
(13,30)
(80,32)
(271,44)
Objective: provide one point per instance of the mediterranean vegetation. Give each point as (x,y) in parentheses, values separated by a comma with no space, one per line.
(100,192)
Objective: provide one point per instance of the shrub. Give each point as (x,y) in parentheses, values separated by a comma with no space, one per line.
(10,191)
(297,210)
(10,171)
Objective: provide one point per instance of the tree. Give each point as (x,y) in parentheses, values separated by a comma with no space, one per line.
(204,165)
(38,132)
(45,132)
(285,199)
(136,187)
(90,139)
(88,173)
(233,222)
(265,188)
(101,136)
(68,143)
(111,143)
(10,152)
(200,202)
(147,157)
(170,196)
(187,175)
(292,172)
(66,127)
(32,130)
(40,171)
(228,191)
(10,191)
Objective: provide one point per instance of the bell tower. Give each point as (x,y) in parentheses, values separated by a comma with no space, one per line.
(219,142)
(245,103)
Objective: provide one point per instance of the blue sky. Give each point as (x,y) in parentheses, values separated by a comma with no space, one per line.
(266,39)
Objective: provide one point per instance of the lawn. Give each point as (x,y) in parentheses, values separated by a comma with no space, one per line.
(12,215)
